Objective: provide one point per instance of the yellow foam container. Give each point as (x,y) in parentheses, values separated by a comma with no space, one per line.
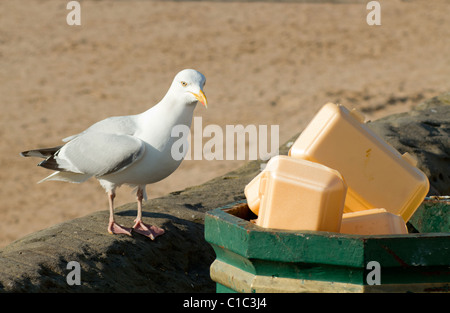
(251,192)
(373,222)
(300,195)
(377,175)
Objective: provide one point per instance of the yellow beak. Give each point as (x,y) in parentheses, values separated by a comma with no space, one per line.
(201,97)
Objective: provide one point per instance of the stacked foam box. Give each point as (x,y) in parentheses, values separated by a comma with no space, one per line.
(297,194)
(339,176)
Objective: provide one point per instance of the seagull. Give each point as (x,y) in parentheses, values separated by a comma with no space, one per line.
(134,150)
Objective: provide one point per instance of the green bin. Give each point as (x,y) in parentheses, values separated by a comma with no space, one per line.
(250,258)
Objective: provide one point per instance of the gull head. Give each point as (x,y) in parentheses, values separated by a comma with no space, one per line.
(188,85)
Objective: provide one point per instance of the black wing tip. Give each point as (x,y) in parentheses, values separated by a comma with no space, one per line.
(50,164)
(41,153)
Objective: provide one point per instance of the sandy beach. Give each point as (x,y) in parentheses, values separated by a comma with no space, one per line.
(265,64)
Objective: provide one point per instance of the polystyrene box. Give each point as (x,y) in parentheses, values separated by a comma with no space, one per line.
(300,195)
(373,222)
(251,192)
(376,174)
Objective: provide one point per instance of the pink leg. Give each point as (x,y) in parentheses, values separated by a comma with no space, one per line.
(140,227)
(113,227)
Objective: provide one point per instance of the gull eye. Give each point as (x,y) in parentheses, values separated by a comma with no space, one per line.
(184,84)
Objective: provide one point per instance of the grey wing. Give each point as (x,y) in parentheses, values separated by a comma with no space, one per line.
(124,125)
(97,154)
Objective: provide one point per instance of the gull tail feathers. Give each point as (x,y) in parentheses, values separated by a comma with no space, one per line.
(67,177)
